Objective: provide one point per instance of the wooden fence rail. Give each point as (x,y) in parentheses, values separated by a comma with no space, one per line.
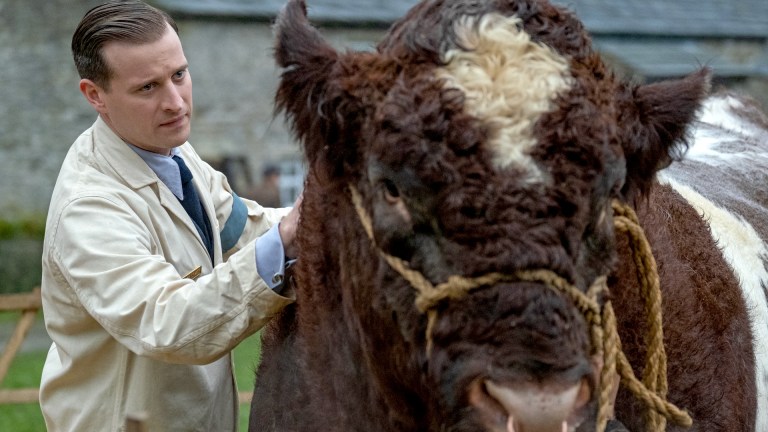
(28,304)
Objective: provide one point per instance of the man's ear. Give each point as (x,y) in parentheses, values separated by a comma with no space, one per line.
(94,94)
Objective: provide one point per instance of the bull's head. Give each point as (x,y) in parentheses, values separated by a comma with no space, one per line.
(480,138)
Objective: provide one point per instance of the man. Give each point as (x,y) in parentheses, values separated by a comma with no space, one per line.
(149,278)
(267,192)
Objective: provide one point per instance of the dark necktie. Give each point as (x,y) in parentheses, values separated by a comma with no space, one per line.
(193,206)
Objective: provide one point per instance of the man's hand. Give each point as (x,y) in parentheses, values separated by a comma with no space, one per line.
(287,229)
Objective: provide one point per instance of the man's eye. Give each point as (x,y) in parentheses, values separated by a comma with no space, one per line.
(180,74)
(147,87)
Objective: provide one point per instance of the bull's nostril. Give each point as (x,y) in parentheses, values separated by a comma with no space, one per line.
(579,411)
(585,391)
(489,412)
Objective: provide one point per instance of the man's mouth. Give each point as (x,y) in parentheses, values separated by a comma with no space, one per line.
(174,121)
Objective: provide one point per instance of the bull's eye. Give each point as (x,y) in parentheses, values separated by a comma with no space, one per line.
(391,193)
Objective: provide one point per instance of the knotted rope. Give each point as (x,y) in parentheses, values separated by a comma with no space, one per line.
(655,371)
(601,319)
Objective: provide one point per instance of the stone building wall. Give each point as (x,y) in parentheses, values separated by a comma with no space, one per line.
(41,111)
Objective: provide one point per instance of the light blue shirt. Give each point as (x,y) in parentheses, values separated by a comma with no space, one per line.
(270,255)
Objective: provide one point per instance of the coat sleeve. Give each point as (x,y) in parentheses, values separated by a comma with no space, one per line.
(108,256)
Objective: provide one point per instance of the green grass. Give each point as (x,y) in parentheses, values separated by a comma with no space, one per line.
(246,355)
(24,373)
(26,369)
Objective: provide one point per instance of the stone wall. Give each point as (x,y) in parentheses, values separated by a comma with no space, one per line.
(41,111)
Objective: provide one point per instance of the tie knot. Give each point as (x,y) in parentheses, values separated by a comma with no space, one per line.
(186,174)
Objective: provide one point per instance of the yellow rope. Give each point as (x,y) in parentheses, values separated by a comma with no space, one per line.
(655,371)
(652,390)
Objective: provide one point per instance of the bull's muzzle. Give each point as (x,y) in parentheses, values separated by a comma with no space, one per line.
(530,407)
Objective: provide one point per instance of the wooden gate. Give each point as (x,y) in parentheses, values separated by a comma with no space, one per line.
(28,304)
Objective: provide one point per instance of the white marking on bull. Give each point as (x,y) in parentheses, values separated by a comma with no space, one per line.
(745,253)
(719,122)
(724,112)
(509,82)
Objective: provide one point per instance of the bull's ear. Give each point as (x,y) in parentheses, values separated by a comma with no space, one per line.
(656,125)
(304,92)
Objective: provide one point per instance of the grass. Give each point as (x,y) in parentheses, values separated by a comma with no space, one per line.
(26,369)
(24,373)
(246,356)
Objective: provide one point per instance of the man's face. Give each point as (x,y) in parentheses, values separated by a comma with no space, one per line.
(149,101)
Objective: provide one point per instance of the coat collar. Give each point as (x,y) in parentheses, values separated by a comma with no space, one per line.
(120,158)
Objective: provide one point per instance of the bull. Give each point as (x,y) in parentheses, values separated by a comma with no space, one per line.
(500,234)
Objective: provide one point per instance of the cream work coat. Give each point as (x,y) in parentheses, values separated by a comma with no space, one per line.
(130,334)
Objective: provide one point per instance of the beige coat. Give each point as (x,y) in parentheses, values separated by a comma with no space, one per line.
(130,335)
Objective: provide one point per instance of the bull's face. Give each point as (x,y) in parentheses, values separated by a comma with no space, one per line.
(481,142)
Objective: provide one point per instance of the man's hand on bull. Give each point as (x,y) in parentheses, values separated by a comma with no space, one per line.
(287,229)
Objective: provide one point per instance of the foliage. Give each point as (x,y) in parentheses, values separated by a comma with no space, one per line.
(27,227)
(21,266)
(21,243)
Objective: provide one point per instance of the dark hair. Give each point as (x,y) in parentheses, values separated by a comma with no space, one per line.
(270,170)
(130,21)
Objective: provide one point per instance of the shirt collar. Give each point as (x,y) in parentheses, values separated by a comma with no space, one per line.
(166,168)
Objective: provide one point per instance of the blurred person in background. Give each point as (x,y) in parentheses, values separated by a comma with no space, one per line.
(267,192)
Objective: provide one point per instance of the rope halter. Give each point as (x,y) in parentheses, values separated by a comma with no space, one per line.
(652,390)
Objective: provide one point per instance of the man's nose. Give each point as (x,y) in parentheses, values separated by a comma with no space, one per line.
(172,99)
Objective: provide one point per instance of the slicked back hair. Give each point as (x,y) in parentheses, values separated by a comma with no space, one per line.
(132,21)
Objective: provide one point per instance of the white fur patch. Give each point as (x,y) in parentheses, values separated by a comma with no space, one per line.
(723,111)
(509,82)
(744,251)
(719,122)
